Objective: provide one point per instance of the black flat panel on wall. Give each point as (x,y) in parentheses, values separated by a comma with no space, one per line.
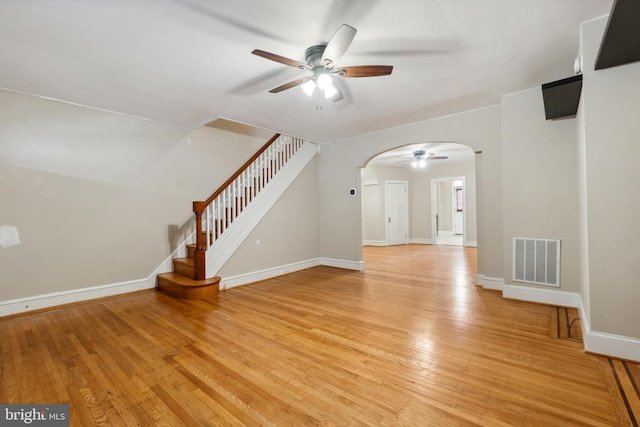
(621,42)
(561,98)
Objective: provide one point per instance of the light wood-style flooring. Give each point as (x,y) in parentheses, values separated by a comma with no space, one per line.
(409,341)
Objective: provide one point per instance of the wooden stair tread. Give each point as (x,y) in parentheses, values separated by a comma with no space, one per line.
(180,286)
(181,280)
(184,260)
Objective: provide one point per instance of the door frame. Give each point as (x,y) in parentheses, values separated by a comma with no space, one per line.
(434,211)
(454,208)
(405,218)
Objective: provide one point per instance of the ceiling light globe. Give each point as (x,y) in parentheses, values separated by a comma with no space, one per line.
(309,86)
(330,91)
(324,81)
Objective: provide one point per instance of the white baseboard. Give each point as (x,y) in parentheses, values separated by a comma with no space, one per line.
(544,296)
(612,345)
(268,273)
(39,302)
(374,243)
(256,276)
(492,283)
(607,344)
(594,342)
(471,243)
(340,263)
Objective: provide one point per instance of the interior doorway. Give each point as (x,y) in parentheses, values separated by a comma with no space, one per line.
(448,211)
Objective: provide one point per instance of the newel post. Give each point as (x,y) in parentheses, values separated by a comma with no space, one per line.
(199,256)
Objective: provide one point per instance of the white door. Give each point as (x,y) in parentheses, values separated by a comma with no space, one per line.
(397,213)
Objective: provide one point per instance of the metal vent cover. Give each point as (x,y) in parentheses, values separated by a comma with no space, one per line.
(536,261)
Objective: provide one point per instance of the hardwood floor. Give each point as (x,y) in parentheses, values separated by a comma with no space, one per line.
(409,341)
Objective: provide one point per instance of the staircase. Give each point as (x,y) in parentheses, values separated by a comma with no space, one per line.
(221,221)
(181,283)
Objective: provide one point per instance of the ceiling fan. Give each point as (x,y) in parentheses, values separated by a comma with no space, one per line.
(420,158)
(321,60)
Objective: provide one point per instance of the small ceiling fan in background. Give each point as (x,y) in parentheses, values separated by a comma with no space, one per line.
(420,158)
(321,60)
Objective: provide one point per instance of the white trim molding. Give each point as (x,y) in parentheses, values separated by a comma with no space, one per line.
(269,273)
(341,263)
(54,299)
(544,296)
(492,283)
(39,302)
(607,344)
(374,243)
(594,342)
(471,243)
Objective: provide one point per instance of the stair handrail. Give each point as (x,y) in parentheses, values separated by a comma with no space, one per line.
(200,206)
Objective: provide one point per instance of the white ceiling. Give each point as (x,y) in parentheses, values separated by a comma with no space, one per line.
(187,62)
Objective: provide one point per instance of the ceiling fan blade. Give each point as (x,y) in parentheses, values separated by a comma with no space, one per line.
(338,45)
(289,85)
(281,59)
(437,157)
(365,71)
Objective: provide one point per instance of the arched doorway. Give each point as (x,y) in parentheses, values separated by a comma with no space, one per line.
(441,160)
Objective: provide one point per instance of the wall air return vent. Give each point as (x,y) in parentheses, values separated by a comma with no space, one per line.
(536,261)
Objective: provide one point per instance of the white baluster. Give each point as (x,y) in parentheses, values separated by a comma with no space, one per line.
(207,226)
(218,225)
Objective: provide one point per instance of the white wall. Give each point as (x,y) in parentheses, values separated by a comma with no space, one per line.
(287,234)
(374,228)
(340,219)
(539,181)
(611,102)
(99,198)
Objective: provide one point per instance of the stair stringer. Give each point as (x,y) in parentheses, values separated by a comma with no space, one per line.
(224,247)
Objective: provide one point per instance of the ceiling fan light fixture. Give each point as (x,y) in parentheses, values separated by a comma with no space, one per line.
(418,159)
(324,81)
(309,86)
(330,92)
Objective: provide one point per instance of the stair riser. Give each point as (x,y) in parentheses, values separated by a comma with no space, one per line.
(191,250)
(183,269)
(187,292)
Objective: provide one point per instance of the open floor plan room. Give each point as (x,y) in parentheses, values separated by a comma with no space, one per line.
(411,340)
